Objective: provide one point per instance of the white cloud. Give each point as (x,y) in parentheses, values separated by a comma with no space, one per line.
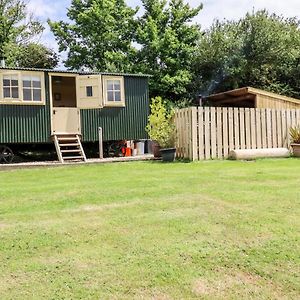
(212,9)
(235,9)
(41,9)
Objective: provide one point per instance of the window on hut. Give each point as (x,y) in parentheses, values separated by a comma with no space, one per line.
(10,86)
(114,90)
(32,88)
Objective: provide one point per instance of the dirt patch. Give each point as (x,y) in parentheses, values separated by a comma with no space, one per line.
(103,207)
(220,285)
(3,225)
(151,295)
(241,282)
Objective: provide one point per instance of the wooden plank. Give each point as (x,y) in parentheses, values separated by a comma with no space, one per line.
(225,132)
(248,128)
(219,134)
(293,117)
(177,132)
(207,133)
(236,128)
(200,133)
(182,132)
(177,119)
(288,125)
(242,128)
(258,128)
(230,129)
(194,134)
(252,126)
(176,137)
(213,132)
(269,128)
(186,134)
(279,128)
(298,116)
(284,128)
(274,128)
(264,142)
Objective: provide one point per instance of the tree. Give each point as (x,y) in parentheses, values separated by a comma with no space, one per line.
(32,55)
(99,36)
(168,46)
(260,50)
(16,25)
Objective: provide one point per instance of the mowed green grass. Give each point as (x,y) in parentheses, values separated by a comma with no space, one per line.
(148,230)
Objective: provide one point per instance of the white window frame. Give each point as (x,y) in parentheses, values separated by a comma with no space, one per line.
(113,103)
(20,100)
(11,86)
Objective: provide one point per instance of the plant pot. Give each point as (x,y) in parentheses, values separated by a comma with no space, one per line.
(156,149)
(168,154)
(296,149)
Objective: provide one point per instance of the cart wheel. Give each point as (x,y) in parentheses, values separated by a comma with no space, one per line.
(6,155)
(112,150)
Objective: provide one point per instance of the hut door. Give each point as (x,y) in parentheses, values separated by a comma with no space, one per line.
(66,120)
(89,91)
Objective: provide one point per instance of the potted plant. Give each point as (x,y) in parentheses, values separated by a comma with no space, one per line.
(161,128)
(295,139)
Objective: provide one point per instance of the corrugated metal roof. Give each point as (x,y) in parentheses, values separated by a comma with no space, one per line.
(75,72)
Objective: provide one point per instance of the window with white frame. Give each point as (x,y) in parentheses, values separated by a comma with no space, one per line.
(10,86)
(32,88)
(22,87)
(114,91)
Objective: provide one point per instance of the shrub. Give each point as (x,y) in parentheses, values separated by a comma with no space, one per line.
(295,134)
(161,127)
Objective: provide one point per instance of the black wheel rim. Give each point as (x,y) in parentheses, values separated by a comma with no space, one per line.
(6,155)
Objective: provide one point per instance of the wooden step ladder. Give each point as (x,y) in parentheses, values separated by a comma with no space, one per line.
(69,147)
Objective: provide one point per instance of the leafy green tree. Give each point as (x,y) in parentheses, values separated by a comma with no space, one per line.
(17,26)
(32,55)
(99,35)
(260,50)
(168,45)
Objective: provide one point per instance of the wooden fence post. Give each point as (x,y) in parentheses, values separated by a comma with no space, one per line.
(194,135)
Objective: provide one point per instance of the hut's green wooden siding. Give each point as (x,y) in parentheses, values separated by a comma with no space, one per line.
(25,123)
(120,123)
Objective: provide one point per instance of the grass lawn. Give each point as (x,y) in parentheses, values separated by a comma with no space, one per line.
(147,230)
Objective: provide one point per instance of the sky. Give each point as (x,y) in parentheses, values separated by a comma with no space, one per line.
(212,9)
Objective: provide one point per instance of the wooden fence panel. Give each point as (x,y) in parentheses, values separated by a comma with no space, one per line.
(274,129)
(200,133)
(225,131)
(219,134)
(209,133)
(247,128)
(252,129)
(194,135)
(263,129)
(269,128)
(278,128)
(258,128)
(230,129)
(213,133)
(284,131)
(242,128)
(236,134)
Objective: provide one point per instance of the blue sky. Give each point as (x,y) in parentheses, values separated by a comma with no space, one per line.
(212,9)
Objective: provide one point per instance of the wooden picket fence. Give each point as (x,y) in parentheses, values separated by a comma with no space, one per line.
(210,133)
